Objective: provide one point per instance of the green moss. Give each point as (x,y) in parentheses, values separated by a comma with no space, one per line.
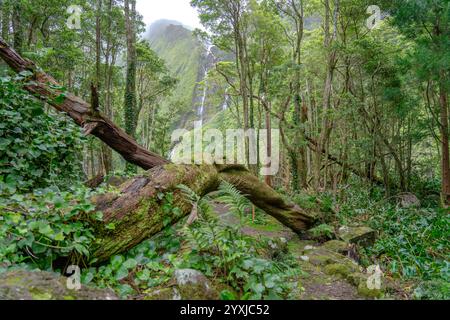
(161,294)
(336,246)
(37,294)
(364,290)
(338,269)
(12,281)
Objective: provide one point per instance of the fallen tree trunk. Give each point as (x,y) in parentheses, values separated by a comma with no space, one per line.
(136,212)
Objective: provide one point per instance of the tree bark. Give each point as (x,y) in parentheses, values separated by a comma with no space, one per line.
(5,20)
(445,161)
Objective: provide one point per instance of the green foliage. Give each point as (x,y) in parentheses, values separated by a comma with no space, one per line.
(37,149)
(224,251)
(38,228)
(413,242)
(323,231)
(145,267)
(433,290)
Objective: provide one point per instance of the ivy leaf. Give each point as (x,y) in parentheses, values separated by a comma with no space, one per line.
(130,264)
(59,237)
(122,273)
(117,261)
(98,216)
(110,226)
(4,143)
(46,230)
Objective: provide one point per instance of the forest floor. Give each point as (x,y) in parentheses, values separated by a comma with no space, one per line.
(326,273)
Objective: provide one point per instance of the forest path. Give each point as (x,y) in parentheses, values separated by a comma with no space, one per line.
(326,274)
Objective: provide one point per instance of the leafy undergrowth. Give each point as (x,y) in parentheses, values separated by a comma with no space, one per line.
(223,253)
(40,228)
(38,149)
(413,243)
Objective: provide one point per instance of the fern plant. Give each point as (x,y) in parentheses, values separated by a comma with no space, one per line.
(225,252)
(234,200)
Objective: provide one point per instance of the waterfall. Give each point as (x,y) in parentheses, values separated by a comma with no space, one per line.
(226,101)
(201,109)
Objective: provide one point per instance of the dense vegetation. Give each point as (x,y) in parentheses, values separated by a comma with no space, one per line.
(363,115)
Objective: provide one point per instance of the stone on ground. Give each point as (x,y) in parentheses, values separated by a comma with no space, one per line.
(363,236)
(187,284)
(40,285)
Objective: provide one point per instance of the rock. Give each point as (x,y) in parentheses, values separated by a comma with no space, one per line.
(408,200)
(188,284)
(164,294)
(323,257)
(304,258)
(40,285)
(336,246)
(363,236)
(365,291)
(320,233)
(341,269)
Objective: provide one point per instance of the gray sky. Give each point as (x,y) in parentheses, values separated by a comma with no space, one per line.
(179,10)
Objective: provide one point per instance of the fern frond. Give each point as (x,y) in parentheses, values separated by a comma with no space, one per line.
(233,199)
(189,194)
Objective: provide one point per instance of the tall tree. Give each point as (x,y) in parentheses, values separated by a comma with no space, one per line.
(427,22)
(130,90)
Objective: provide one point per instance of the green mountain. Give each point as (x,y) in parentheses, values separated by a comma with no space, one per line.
(189,60)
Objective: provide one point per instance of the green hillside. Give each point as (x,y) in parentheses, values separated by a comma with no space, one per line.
(183,55)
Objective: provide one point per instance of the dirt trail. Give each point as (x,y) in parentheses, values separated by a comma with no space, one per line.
(326,274)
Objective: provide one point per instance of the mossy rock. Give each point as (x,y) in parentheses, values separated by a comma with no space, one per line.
(187,284)
(320,233)
(164,294)
(341,269)
(323,257)
(40,285)
(336,246)
(365,291)
(363,236)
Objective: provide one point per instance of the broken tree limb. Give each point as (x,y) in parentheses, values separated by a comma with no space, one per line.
(45,88)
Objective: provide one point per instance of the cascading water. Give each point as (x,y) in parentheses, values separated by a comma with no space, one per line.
(201,108)
(209,61)
(225,103)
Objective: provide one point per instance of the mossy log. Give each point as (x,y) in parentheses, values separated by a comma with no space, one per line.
(139,210)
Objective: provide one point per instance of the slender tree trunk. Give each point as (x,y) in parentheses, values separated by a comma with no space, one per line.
(268,179)
(6,20)
(18,37)
(130,90)
(445,162)
(326,126)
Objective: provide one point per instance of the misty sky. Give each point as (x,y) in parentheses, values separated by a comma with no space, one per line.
(179,10)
